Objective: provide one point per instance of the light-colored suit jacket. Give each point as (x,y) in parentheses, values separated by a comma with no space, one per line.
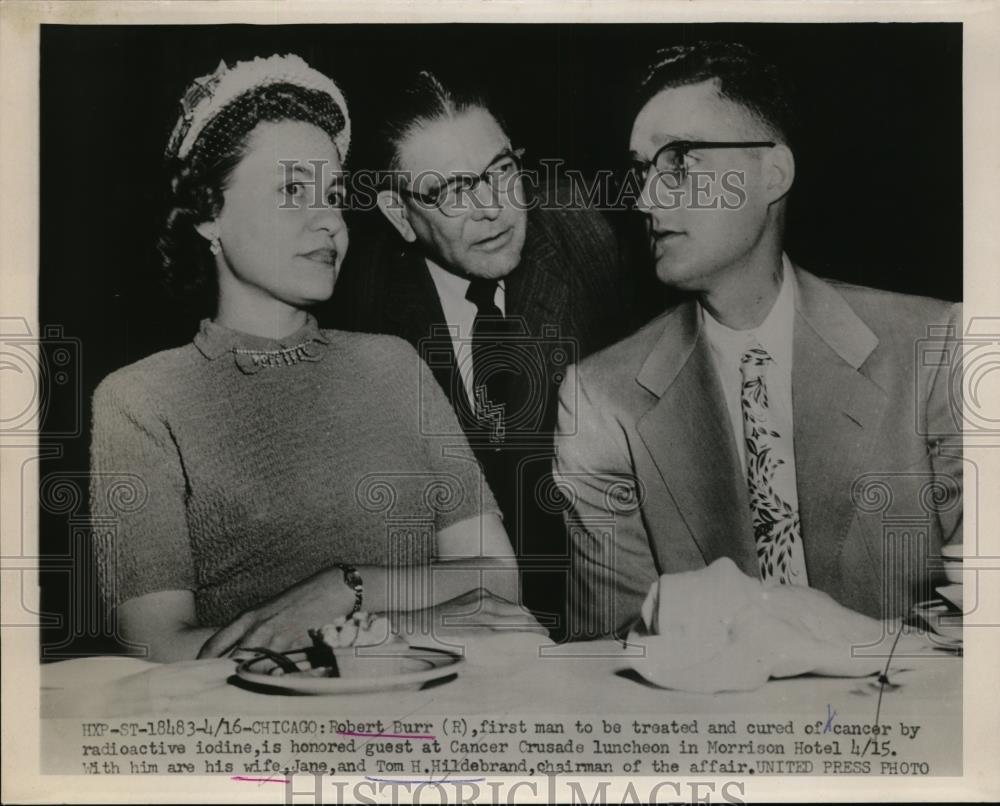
(648,461)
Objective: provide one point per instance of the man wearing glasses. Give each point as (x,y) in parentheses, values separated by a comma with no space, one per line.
(750,420)
(498,292)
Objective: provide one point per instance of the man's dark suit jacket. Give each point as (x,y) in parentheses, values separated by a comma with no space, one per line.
(569,297)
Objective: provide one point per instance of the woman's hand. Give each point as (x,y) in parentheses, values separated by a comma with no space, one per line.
(283,622)
(471,613)
(472,554)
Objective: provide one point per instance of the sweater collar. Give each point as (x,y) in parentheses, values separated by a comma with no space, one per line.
(253,353)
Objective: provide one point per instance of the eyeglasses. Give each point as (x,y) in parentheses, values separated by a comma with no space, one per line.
(671,160)
(457,195)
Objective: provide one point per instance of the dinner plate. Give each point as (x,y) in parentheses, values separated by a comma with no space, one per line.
(362,669)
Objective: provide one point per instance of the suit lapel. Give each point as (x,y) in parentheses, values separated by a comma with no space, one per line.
(837,411)
(537,299)
(536,290)
(689,437)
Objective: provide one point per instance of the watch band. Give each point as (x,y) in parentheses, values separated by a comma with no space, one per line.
(353,580)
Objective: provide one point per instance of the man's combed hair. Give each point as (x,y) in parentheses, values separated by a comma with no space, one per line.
(424,99)
(197,183)
(743,77)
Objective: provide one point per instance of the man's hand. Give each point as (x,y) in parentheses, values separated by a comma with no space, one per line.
(283,622)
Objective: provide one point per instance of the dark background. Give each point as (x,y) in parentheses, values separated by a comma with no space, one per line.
(877,200)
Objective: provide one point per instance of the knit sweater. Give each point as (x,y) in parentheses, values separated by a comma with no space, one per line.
(237,466)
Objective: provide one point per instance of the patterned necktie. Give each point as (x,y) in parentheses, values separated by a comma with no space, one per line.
(769,459)
(489,359)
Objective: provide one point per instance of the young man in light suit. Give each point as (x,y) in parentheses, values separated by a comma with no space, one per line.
(762,418)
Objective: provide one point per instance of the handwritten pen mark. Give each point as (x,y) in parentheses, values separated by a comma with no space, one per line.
(250,779)
(387,735)
(444,780)
(830,714)
(883,678)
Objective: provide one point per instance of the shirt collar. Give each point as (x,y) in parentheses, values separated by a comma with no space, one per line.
(774,334)
(454,285)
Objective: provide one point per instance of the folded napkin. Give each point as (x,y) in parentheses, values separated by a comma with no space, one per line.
(717,629)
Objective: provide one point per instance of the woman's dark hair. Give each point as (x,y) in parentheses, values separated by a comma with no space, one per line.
(197,182)
(743,77)
(423,99)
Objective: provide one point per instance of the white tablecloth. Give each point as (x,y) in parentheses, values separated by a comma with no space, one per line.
(503,674)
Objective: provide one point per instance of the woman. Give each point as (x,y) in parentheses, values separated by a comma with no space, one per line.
(281,471)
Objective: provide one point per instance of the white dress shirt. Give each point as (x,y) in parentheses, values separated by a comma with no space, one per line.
(774,334)
(460,314)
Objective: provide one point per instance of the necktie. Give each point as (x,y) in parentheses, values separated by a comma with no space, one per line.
(770,458)
(490,359)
